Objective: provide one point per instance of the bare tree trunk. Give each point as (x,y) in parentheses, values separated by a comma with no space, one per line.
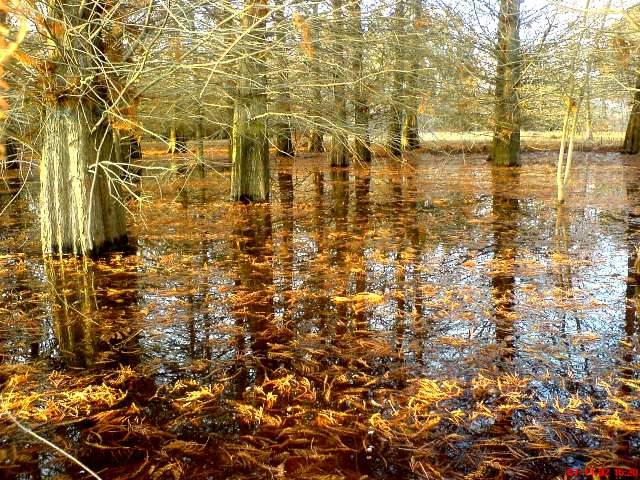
(410,133)
(589,126)
(177,141)
(339,154)
(362,142)
(10,160)
(506,138)
(78,212)
(284,141)
(250,180)
(200,147)
(632,137)
(397,109)
(316,140)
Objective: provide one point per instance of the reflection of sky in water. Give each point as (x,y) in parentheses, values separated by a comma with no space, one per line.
(429,251)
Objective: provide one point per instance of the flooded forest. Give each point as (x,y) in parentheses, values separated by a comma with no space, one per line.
(319,239)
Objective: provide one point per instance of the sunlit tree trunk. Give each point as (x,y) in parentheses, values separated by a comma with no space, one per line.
(78,211)
(339,154)
(249,143)
(506,138)
(632,137)
(361,106)
(177,141)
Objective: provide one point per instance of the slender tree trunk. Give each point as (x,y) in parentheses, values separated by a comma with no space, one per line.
(410,133)
(397,108)
(177,141)
(200,148)
(10,160)
(632,137)
(78,213)
(249,144)
(171,147)
(506,138)
(339,154)
(589,127)
(316,140)
(362,142)
(284,140)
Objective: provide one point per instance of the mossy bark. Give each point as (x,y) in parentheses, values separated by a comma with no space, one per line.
(250,152)
(632,137)
(79,213)
(250,180)
(506,138)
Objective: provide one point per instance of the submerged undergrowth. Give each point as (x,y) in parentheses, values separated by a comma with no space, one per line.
(431,320)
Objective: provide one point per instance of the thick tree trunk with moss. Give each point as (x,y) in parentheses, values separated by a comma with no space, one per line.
(250,180)
(339,154)
(506,138)
(78,211)
(632,137)
(361,107)
(250,152)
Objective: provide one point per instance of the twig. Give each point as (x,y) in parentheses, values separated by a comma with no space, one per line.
(47,442)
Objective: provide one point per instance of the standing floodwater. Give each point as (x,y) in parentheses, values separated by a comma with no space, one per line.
(436,319)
